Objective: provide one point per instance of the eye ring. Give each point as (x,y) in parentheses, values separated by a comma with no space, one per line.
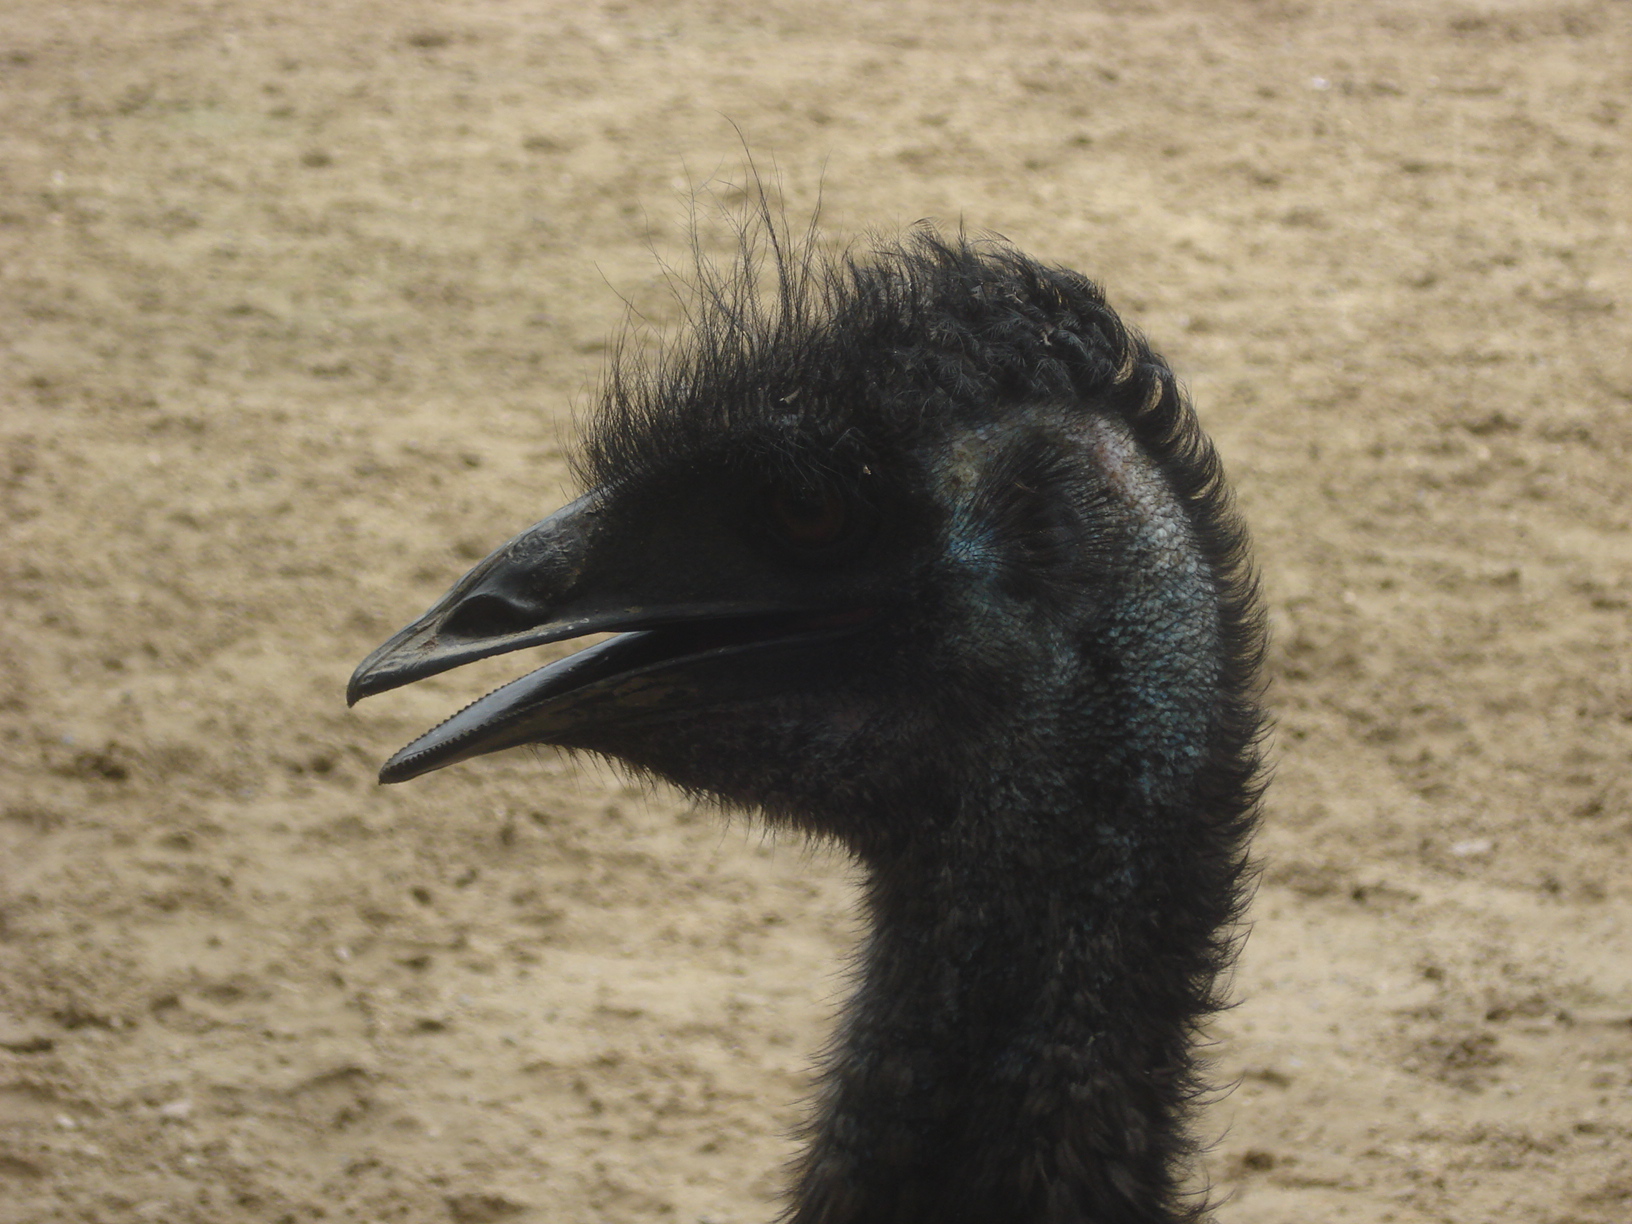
(809,517)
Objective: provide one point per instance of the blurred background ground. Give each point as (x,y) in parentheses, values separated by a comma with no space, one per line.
(296,303)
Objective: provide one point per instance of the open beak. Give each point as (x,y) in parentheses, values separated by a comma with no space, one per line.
(567,577)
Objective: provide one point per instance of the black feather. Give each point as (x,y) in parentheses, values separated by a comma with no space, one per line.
(998,1064)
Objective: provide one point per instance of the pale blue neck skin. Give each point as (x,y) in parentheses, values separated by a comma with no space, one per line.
(1160,624)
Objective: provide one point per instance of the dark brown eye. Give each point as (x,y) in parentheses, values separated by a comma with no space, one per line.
(809,517)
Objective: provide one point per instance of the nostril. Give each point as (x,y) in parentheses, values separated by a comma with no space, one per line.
(487,616)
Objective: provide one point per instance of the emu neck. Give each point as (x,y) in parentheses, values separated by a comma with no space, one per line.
(1045,930)
(1017,1050)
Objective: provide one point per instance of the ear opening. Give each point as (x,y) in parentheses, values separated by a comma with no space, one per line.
(1041,505)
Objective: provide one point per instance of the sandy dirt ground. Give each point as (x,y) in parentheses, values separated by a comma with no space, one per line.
(297,301)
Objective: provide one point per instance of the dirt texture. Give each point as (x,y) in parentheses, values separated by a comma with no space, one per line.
(297,302)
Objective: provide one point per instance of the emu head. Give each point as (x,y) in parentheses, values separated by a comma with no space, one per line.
(913,527)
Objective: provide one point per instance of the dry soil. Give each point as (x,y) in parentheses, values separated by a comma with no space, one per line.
(297,301)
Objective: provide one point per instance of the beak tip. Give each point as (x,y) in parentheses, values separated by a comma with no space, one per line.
(397,770)
(381,672)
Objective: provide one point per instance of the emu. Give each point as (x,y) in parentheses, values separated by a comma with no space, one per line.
(924,552)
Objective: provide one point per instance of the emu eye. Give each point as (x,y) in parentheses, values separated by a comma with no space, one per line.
(809,517)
